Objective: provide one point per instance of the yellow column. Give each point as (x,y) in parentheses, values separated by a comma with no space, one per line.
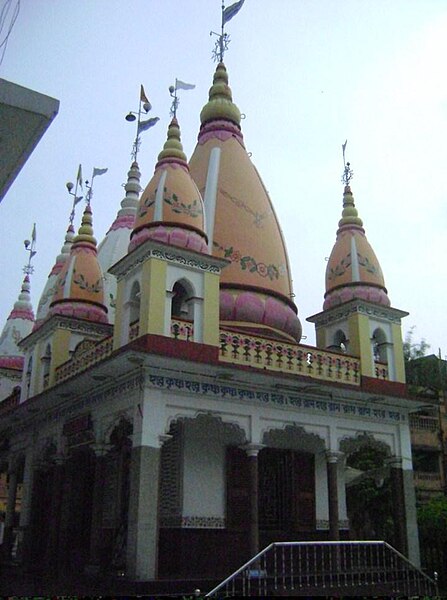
(320,334)
(153,297)
(360,342)
(398,351)
(60,351)
(211,309)
(119,314)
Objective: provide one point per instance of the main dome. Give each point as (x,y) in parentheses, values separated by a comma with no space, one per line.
(242,226)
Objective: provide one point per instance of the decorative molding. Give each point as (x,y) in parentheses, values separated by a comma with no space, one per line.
(75,406)
(181,256)
(193,522)
(100,330)
(342,312)
(323,524)
(286,401)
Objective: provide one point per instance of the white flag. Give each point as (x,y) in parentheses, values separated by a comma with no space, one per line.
(98,172)
(181,85)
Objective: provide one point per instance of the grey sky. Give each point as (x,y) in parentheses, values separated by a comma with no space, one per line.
(307,74)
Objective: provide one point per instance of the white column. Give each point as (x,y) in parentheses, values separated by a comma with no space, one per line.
(142,536)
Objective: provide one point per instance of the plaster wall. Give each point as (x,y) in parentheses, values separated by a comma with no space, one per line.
(203,473)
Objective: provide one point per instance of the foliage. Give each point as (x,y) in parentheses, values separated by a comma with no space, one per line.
(432,519)
(413,350)
(369,504)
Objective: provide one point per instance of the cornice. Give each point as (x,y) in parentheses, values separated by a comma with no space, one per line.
(49,326)
(173,254)
(341,312)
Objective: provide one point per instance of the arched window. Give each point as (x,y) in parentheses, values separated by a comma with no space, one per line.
(46,364)
(379,346)
(29,371)
(180,307)
(340,343)
(134,310)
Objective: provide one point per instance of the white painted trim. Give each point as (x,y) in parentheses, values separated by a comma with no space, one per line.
(210,197)
(354,260)
(158,211)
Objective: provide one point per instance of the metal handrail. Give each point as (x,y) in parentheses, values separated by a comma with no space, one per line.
(385,566)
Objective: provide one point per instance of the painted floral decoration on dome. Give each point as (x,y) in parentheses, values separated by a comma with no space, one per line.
(94,288)
(248,263)
(193,209)
(146,206)
(346,262)
(258,218)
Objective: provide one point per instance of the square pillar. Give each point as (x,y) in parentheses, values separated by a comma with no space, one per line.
(142,536)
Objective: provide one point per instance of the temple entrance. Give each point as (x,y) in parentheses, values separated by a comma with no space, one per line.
(286,495)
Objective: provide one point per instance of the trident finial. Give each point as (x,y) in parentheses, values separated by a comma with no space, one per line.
(141,125)
(69,185)
(179,85)
(30,246)
(348,173)
(223,39)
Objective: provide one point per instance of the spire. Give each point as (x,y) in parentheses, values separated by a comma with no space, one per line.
(18,325)
(47,294)
(353,271)
(349,215)
(115,244)
(220,100)
(173,148)
(79,287)
(171,207)
(85,233)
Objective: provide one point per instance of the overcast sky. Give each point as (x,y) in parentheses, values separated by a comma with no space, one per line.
(307,74)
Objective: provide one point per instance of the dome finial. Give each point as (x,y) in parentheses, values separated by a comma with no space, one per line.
(30,246)
(141,125)
(349,215)
(173,148)
(223,39)
(179,85)
(220,101)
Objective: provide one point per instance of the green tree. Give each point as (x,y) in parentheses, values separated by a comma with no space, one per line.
(412,349)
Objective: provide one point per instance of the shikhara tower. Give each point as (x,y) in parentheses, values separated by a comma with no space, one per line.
(167,404)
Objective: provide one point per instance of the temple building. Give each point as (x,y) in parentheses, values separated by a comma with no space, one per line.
(170,423)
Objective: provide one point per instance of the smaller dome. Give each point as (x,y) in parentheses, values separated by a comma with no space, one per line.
(79,290)
(50,286)
(18,325)
(171,207)
(116,242)
(353,270)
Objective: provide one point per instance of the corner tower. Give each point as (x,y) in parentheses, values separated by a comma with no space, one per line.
(241,225)
(168,284)
(357,316)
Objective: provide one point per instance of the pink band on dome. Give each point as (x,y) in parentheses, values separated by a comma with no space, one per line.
(22,313)
(222,130)
(12,362)
(123,222)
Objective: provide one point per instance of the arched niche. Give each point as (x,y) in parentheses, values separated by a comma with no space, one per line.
(293,437)
(351,444)
(379,345)
(182,293)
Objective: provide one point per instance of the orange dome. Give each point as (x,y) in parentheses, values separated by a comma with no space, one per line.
(79,287)
(242,223)
(171,207)
(353,270)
